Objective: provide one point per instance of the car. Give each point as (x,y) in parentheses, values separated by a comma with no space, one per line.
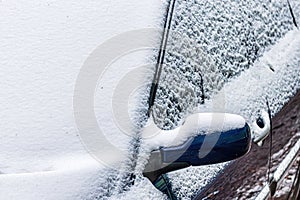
(130,99)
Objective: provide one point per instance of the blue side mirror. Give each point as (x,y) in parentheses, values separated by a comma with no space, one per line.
(218,146)
(230,145)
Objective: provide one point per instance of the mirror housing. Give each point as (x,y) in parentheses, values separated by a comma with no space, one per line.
(201,149)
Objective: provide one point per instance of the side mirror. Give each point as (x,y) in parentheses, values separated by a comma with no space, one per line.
(218,137)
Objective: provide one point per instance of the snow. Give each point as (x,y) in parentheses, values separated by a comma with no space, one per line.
(232,44)
(62,183)
(247,93)
(44,45)
(195,124)
(217,40)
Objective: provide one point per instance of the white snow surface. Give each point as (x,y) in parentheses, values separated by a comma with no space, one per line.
(195,124)
(43,47)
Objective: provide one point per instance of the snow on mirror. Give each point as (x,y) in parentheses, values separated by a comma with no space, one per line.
(203,139)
